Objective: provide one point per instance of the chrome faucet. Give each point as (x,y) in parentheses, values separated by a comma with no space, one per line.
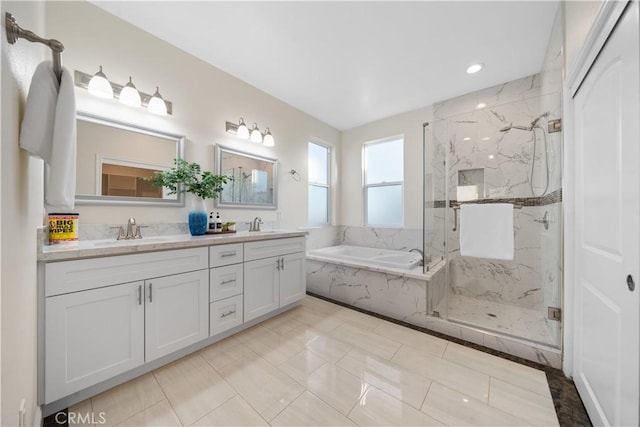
(420,252)
(255,225)
(131,226)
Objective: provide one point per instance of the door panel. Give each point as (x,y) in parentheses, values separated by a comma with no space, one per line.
(607,136)
(177,312)
(293,278)
(261,288)
(92,336)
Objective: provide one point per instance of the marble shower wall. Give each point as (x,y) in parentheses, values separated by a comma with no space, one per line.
(471,125)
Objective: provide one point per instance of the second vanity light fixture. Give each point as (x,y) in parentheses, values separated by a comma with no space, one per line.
(100,86)
(254,135)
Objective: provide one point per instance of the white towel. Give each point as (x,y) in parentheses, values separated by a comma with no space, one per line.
(486,230)
(49,131)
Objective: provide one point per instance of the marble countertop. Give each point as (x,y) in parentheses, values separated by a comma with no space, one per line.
(102,248)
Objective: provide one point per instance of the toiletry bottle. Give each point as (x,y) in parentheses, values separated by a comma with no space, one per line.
(218,225)
(212,222)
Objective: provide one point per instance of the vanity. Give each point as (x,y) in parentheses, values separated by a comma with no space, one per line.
(110,311)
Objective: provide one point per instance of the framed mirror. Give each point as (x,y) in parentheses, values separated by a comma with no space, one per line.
(255,180)
(114,157)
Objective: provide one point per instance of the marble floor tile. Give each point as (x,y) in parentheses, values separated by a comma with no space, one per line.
(456,409)
(319,305)
(267,389)
(336,387)
(193,387)
(225,352)
(412,338)
(357,319)
(319,343)
(528,378)
(377,408)
(273,347)
(159,415)
(309,410)
(320,321)
(127,399)
(300,366)
(395,380)
(282,323)
(234,412)
(465,380)
(366,340)
(535,409)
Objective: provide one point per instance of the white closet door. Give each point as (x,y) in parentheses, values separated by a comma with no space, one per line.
(607,212)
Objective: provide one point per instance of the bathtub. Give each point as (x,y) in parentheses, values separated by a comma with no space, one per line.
(383,281)
(373,256)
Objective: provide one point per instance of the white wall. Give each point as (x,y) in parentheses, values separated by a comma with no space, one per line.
(21,212)
(203,98)
(410,126)
(578,18)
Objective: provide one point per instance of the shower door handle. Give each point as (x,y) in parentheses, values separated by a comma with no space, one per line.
(455,218)
(630,283)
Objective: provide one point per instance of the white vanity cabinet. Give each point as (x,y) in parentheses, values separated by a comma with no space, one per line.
(226,285)
(97,327)
(274,275)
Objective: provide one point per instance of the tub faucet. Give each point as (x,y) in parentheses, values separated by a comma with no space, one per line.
(255,225)
(420,252)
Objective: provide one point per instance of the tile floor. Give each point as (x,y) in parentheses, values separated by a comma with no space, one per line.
(323,364)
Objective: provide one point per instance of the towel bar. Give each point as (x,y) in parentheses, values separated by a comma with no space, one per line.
(456,208)
(14,32)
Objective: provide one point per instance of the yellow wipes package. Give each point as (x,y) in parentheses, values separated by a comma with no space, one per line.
(63,227)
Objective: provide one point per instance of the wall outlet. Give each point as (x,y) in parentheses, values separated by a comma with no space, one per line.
(22,413)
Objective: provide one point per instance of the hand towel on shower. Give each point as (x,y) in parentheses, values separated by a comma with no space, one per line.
(486,230)
(49,132)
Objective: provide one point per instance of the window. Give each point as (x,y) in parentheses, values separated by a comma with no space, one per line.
(318,184)
(383,183)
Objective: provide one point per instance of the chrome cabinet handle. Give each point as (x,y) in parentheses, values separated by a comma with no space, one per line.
(150,292)
(278,264)
(226,254)
(228,313)
(282,263)
(139,294)
(226,282)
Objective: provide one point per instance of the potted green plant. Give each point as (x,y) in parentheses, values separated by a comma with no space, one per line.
(188,177)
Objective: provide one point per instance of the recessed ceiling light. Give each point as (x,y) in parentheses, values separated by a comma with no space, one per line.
(491,156)
(466,139)
(486,138)
(474,68)
(481,105)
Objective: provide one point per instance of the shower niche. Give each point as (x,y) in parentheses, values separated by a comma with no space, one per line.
(470,185)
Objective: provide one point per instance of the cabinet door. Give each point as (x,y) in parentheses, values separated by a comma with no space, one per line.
(177,312)
(293,278)
(260,287)
(91,336)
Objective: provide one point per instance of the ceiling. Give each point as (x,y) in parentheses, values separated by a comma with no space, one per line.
(350,63)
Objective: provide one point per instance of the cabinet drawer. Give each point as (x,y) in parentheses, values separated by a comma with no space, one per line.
(225,282)
(72,276)
(225,254)
(225,314)
(270,248)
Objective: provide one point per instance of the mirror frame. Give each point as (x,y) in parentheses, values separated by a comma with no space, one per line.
(89,199)
(267,206)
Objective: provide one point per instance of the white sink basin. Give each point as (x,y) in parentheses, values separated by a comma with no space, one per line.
(144,240)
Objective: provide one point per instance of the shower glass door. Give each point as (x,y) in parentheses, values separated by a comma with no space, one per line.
(502,153)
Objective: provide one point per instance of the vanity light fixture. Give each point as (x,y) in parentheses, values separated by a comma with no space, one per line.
(254,135)
(157,104)
(268,139)
(129,95)
(98,85)
(474,68)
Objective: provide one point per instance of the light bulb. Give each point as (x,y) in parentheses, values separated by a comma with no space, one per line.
(156,104)
(256,136)
(474,68)
(268,139)
(243,131)
(129,95)
(99,85)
